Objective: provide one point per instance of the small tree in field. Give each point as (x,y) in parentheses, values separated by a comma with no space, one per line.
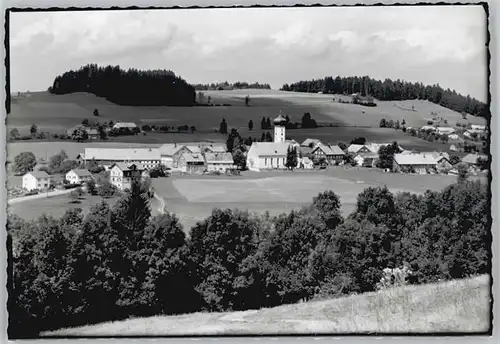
(96,112)
(247,100)
(33,129)
(250,125)
(14,133)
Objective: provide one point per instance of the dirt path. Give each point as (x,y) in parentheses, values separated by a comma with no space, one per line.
(38,196)
(162,206)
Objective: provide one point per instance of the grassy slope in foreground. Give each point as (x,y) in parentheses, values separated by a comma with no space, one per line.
(454,306)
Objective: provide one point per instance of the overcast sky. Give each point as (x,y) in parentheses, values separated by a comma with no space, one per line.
(444,45)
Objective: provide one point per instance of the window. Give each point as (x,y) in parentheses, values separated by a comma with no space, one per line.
(265,161)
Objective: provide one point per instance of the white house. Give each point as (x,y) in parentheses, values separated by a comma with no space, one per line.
(148,157)
(36,180)
(445,130)
(366,159)
(478,128)
(219,162)
(122,175)
(170,154)
(428,127)
(191,163)
(421,163)
(78,176)
(129,125)
(270,155)
(305,163)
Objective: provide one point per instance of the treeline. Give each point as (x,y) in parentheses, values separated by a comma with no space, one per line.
(220,86)
(393,90)
(121,262)
(130,87)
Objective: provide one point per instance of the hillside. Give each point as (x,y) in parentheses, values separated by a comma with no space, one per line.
(454,306)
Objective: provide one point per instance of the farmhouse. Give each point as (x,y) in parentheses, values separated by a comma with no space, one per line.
(148,157)
(78,176)
(445,130)
(123,174)
(191,163)
(219,162)
(270,155)
(36,180)
(332,154)
(473,160)
(123,125)
(310,143)
(355,148)
(478,128)
(421,163)
(366,159)
(428,128)
(170,154)
(453,148)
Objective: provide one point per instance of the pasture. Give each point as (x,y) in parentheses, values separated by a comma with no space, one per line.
(192,198)
(453,306)
(56,113)
(54,206)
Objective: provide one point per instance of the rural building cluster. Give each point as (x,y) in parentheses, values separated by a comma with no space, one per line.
(125,164)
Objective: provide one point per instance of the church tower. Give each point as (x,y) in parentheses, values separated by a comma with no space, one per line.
(279,128)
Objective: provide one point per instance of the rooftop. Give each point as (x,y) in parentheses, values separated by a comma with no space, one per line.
(219,158)
(81,172)
(269,148)
(39,174)
(122,154)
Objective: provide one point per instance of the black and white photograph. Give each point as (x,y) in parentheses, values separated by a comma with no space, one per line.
(248,171)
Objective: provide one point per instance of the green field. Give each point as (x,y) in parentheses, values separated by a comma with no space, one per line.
(55,206)
(192,198)
(454,306)
(56,113)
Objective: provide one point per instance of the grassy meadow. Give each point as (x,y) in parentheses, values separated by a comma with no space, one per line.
(56,113)
(192,198)
(454,306)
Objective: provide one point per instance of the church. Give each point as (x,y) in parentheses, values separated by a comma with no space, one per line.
(270,155)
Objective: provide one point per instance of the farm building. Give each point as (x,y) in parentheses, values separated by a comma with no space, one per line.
(93,134)
(148,157)
(473,160)
(191,163)
(332,154)
(355,148)
(445,130)
(170,154)
(78,176)
(428,128)
(267,155)
(366,159)
(305,163)
(36,180)
(219,162)
(123,174)
(421,163)
(293,143)
(453,148)
(478,128)
(453,137)
(123,125)
(310,143)
(213,148)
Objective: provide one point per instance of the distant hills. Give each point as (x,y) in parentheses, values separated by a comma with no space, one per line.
(393,90)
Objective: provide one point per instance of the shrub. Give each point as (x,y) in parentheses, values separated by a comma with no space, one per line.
(396,277)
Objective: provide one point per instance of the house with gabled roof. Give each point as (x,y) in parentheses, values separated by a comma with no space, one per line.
(36,180)
(148,157)
(310,143)
(331,154)
(78,176)
(192,163)
(122,175)
(220,162)
(421,163)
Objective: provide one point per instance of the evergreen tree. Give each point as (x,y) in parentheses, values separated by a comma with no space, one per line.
(268,123)
(291,158)
(250,125)
(223,127)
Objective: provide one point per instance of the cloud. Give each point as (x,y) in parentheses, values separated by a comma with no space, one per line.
(265,45)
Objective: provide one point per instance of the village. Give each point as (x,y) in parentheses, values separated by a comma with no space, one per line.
(121,165)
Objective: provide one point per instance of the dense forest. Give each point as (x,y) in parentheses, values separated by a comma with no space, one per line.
(119,262)
(220,86)
(392,90)
(130,87)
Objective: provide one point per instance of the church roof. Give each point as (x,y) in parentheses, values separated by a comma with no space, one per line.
(280,119)
(269,148)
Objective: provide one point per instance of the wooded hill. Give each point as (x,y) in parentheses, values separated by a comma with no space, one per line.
(127,87)
(393,90)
